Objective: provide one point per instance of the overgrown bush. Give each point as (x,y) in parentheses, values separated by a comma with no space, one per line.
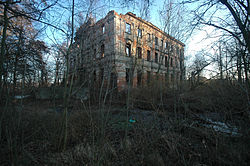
(175,135)
(152,96)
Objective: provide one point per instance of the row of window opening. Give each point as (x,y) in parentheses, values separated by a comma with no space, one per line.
(139,55)
(148,77)
(139,34)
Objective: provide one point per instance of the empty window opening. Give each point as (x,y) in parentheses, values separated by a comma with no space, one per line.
(148,55)
(139,31)
(102,50)
(171,62)
(139,52)
(128,28)
(156,40)
(166,45)
(177,51)
(103,29)
(172,48)
(156,57)
(128,49)
(161,59)
(149,37)
(166,61)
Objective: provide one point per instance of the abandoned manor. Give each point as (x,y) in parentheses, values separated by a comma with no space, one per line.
(126,50)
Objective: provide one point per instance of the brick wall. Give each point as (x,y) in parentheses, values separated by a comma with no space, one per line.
(110,36)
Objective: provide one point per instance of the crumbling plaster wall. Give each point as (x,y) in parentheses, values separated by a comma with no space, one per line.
(142,65)
(91,36)
(111,32)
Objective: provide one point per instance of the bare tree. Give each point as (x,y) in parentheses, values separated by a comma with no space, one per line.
(174,20)
(231,17)
(202,60)
(17,18)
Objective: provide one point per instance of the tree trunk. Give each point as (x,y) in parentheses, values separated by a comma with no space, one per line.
(243,28)
(17,55)
(4,36)
(239,69)
(246,67)
(220,63)
(14,74)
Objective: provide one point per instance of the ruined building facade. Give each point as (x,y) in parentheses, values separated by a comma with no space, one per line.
(127,50)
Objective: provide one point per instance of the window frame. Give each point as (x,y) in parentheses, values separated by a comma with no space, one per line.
(103,29)
(156,41)
(166,45)
(148,55)
(172,49)
(166,61)
(149,37)
(156,57)
(139,52)
(128,28)
(139,33)
(177,50)
(102,51)
(128,48)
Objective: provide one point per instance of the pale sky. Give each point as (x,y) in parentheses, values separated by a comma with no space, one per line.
(192,45)
(195,44)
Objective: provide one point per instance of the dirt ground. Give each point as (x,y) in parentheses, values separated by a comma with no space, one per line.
(119,136)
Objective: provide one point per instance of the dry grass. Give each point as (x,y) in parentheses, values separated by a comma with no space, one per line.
(170,134)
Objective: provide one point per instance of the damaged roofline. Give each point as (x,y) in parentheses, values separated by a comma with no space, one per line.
(155,27)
